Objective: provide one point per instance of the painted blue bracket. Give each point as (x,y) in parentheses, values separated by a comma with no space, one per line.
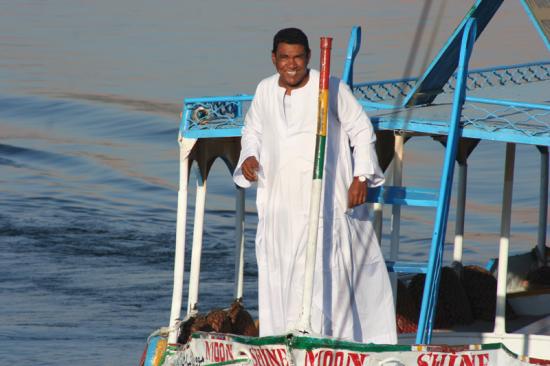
(405,196)
(431,286)
(354,44)
(203,134)
(406,267)
(369,106)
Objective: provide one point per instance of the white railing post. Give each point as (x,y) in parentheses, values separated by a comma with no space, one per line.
(500,315)
(185,146)
(196,253)
(460,211)
(239,244)
(396,209)
(543,205)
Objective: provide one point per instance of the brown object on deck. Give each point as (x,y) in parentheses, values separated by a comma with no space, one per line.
(453,306)
(538,278)
(219,320)
(235,320)
(481,288)
(406,315)
(241,321)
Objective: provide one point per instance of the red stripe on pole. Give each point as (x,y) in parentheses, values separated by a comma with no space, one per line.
(326,45)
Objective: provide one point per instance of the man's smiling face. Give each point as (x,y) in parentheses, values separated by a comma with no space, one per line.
(291,61)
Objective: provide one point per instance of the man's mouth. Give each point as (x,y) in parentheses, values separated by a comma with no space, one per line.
(291,73)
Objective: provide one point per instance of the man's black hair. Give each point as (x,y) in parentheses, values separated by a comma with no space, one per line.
(290,36)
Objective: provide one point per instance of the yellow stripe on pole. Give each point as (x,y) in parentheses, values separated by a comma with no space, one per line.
(323,112)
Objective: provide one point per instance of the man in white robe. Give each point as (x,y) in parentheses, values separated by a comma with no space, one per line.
(352,297)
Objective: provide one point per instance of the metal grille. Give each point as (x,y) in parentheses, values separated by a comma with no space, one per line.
(391,90)
(380,91)
(512,119)
(513,75)
(215,115)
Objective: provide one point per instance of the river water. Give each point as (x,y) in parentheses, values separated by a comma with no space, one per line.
(90,94)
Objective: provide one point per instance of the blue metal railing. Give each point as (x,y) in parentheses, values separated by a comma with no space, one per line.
(431,285)
(396,89)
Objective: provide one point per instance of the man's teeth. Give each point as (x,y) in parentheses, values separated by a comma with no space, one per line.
(291,73)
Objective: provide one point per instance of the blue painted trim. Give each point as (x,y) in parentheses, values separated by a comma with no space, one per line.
(233,98)
(504,67)
(491,264)
(536,24)
(200,134)
(184,124)
(354,44)
(507,103)
(406,267)
(151,350)
(373,105)
(442,128)
(431,286)
(406,196)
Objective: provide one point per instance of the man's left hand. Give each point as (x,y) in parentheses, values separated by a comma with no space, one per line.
(357,193)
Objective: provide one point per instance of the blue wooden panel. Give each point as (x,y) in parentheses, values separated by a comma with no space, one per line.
(406,196)
(445,63)
(202,134)
(406,267)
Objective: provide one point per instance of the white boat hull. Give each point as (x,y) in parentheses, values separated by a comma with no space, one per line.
(297,350)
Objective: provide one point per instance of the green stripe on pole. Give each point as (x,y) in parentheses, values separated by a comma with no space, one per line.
(319,157)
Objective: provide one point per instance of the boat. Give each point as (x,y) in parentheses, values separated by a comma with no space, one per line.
(457,107)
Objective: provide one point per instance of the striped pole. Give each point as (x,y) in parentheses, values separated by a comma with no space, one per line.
(317,185)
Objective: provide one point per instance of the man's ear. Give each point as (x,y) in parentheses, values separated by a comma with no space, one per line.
(273,58)
(308,57)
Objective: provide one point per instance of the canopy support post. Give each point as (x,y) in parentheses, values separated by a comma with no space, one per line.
(239,244)
(179,257)
(460,211)
(192,305)
(500,315)
(543,205)
(396,209)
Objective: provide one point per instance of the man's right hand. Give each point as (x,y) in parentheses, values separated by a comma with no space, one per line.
(250,168)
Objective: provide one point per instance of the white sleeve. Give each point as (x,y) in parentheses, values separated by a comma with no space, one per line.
(251,139)
(359,129)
